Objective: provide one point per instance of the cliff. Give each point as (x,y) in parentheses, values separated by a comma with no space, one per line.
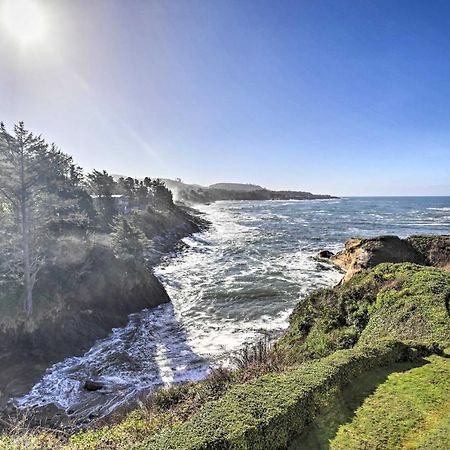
(362,254)
(83,292)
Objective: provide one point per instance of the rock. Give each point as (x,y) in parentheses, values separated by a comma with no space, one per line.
(323,267)
(325,254)
(435,249)
(360,254)
(91,385)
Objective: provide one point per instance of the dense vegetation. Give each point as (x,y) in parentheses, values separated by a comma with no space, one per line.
(403,301)
(49,209)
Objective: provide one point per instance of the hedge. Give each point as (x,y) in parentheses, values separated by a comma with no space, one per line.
(269,411)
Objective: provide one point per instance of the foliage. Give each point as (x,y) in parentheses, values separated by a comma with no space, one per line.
(267,412)
(405,301)
(128,241)
(46,200)
(255,353)
(33,178)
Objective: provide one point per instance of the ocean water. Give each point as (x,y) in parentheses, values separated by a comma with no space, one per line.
(229,284)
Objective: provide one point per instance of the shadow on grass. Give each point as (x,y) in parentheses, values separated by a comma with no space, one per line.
(342,406)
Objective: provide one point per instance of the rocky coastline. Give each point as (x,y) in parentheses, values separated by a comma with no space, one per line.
(104,291)
(383,329)
(364,253)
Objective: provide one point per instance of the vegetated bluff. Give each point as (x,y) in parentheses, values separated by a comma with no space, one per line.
(76,254)
(193,193)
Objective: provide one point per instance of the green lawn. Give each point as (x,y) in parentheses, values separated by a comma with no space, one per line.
(411,410)
(342,404)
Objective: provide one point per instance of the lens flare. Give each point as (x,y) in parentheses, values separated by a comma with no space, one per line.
(23,20)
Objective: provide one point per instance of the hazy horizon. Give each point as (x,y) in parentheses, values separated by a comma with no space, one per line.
(343,99)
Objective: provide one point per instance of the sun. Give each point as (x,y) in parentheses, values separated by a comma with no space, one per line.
(23,20)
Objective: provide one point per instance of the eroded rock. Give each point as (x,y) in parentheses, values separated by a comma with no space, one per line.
(325,254)
(91,385)
(360,254)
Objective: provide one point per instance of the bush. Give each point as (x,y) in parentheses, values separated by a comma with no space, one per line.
(401,301)
(268,411)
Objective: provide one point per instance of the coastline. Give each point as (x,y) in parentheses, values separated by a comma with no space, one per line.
(124,290)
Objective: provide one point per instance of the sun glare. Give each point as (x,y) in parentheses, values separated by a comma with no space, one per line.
(23,20)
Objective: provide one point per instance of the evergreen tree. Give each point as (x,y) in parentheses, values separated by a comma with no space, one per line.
(102,186)
(28,167)
(162,196)
(128,241)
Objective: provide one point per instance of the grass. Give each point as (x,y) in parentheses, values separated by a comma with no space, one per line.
(411,410)
(341,405)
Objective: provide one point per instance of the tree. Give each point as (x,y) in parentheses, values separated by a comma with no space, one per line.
(103,187)
(64,181)
(162,196)
(128,241)
(26,206)
(101,183)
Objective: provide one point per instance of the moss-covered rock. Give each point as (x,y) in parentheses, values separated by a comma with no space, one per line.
(403,301)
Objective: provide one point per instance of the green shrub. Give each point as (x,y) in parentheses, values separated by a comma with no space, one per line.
(268,411)
(401,301)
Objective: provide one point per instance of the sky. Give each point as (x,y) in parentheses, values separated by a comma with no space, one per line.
(346,97)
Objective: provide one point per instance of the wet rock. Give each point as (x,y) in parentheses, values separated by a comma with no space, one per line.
(91,385)
(325,254)
(323,267)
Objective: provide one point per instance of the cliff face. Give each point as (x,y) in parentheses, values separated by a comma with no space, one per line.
(85,307)
(362,254)
(435,249)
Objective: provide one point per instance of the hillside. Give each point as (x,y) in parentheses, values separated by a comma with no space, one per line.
(243,187)
(191,193)
(350,349)
(76,255)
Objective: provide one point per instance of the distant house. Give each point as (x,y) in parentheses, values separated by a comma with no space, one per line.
(120,202)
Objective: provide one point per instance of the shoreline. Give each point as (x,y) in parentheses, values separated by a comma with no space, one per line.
(23,369)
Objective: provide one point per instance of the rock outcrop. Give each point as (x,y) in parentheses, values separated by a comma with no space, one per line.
(435,249)
(360,254)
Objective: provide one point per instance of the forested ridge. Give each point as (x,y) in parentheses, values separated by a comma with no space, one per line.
(46,198)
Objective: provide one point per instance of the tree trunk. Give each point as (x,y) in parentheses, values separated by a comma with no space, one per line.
(28,301)
(26,259)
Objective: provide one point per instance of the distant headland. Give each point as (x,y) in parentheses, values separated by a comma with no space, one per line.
(194,193)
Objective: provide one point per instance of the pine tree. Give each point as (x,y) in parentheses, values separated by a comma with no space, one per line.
(103,187)
(31,176)
(129,242)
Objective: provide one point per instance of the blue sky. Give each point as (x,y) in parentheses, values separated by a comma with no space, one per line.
(342,97)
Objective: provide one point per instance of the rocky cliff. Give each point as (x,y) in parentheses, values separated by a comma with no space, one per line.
(84,292)
(362,254)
